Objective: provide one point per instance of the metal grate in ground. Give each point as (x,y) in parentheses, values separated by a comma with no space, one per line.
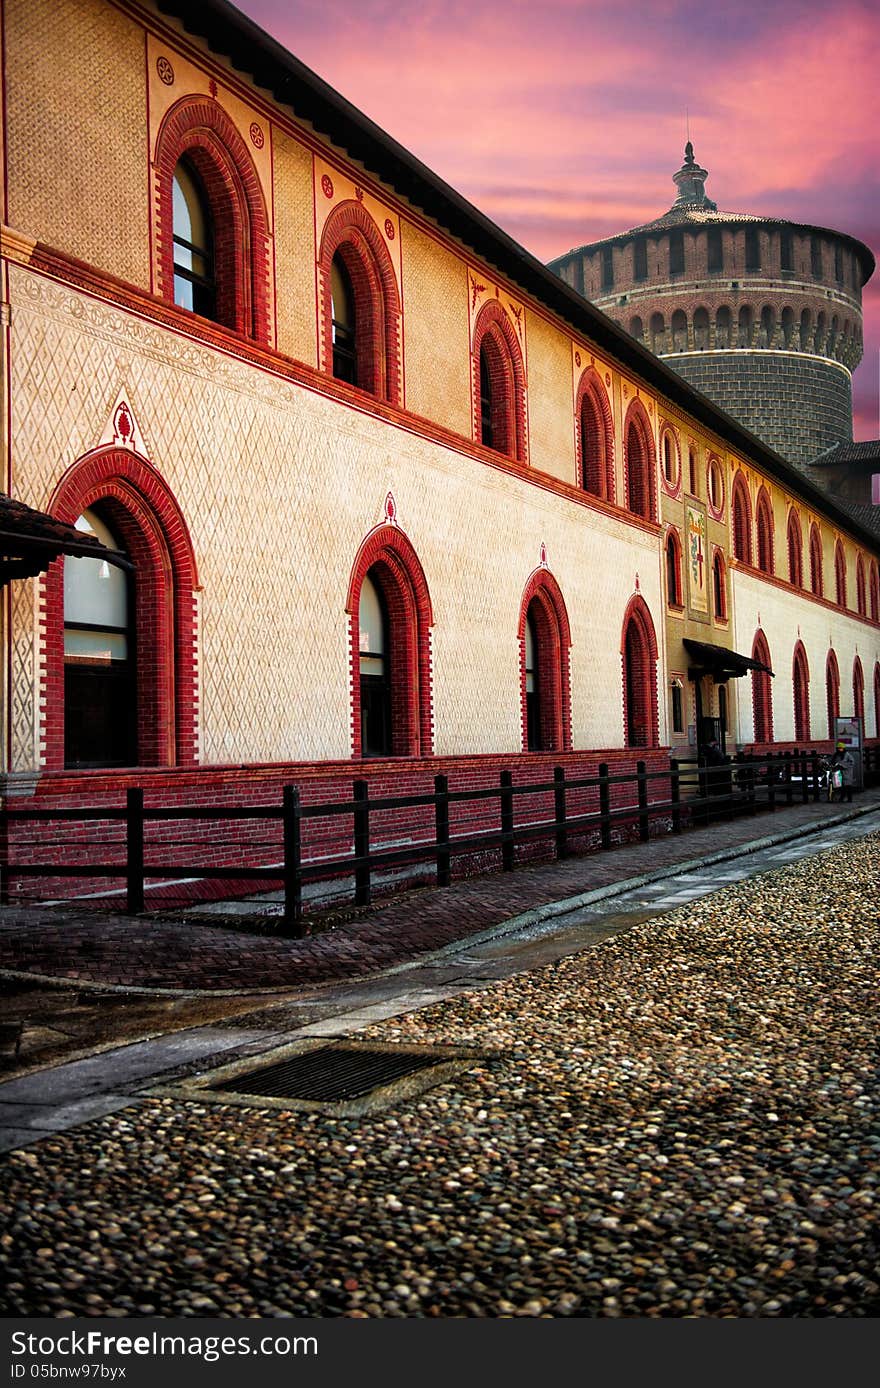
(329,1074)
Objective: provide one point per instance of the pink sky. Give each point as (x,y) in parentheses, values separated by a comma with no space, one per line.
(564,121)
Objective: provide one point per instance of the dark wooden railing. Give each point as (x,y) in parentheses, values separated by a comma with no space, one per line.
(686,793)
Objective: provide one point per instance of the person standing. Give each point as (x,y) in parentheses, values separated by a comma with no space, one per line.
(843,761)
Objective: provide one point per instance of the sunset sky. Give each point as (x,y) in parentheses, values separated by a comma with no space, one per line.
(563,121)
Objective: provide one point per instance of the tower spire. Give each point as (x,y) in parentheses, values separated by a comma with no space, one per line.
(690,181)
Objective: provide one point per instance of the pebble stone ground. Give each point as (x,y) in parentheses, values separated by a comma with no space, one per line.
(680,1122)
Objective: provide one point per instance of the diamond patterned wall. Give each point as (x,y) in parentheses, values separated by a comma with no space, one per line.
(279,486)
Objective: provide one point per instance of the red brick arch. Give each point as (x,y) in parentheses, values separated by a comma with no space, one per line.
(638,654)
(832,690)
(351,232)
(199,128)
(595,436)
(800,682)
(152,528)
(543,600)
(494,332)
(389,557)
(742,519)
(639,462)
(762,698)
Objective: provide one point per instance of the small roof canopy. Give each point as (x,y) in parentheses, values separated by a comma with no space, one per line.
(30,540)
(719,662)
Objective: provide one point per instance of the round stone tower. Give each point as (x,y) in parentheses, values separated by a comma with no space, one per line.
(762,315)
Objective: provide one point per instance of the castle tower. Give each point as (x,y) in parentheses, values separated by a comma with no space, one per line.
(762,315)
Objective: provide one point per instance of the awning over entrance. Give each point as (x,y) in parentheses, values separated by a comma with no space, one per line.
(719,662)
(30,540)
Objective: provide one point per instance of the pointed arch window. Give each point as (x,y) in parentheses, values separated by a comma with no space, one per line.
(861,588)
(817,581)
(795,551)
(801,690)
(499,384)
(762,698)
(640,464)
(195,285)
(639,655)
(673,570)
(595,437)
(764,521)
(859,692)
(719,587)
(544,646)
(742,521)
(839,575)
(375,672)
(874,594)
(343,322)
(100,685)
(832,692)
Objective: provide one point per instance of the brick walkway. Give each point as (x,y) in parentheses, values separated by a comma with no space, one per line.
(95,947)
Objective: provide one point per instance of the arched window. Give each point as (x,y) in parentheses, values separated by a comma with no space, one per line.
(195,286)
(344,330)
(212,243)
(658,333)
(764,526)
(817,583)
(874,591)
(788,329)
(744,332)
(595,437)
(639,655)
(389,610)
(676,691)
(719,587)
(859,692)
(499,384)
(375,672)
(861,588)
(639,462)
(679,331)
(742,520)
(795,551)
(768,326)
(544,646)
(762,699)
(806,330)
(671,457)
(801,689)
(723,327)
(120,645)
(832,692)
(673,569)
(692,471)
(636,328)
(715,485)
(701,329)
(839,575)
(360,304)
(100,686)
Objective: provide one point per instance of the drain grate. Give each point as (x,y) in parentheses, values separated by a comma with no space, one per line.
(329,1074)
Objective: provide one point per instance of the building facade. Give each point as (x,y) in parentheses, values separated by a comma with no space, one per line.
(762,315)
(388,495)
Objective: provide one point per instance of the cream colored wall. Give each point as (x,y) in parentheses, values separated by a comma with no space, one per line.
(279,486)
(550,411)
(295,303)
(77,132)
(435,331)
(785,618)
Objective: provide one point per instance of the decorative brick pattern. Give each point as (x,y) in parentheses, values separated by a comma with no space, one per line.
(351,233)
(393,565)
(153,532)
(544,604)
(201,130)
(595,436)
(494,335)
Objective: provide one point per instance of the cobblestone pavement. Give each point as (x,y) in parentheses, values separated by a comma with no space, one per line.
(680,1121)
(91,946)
